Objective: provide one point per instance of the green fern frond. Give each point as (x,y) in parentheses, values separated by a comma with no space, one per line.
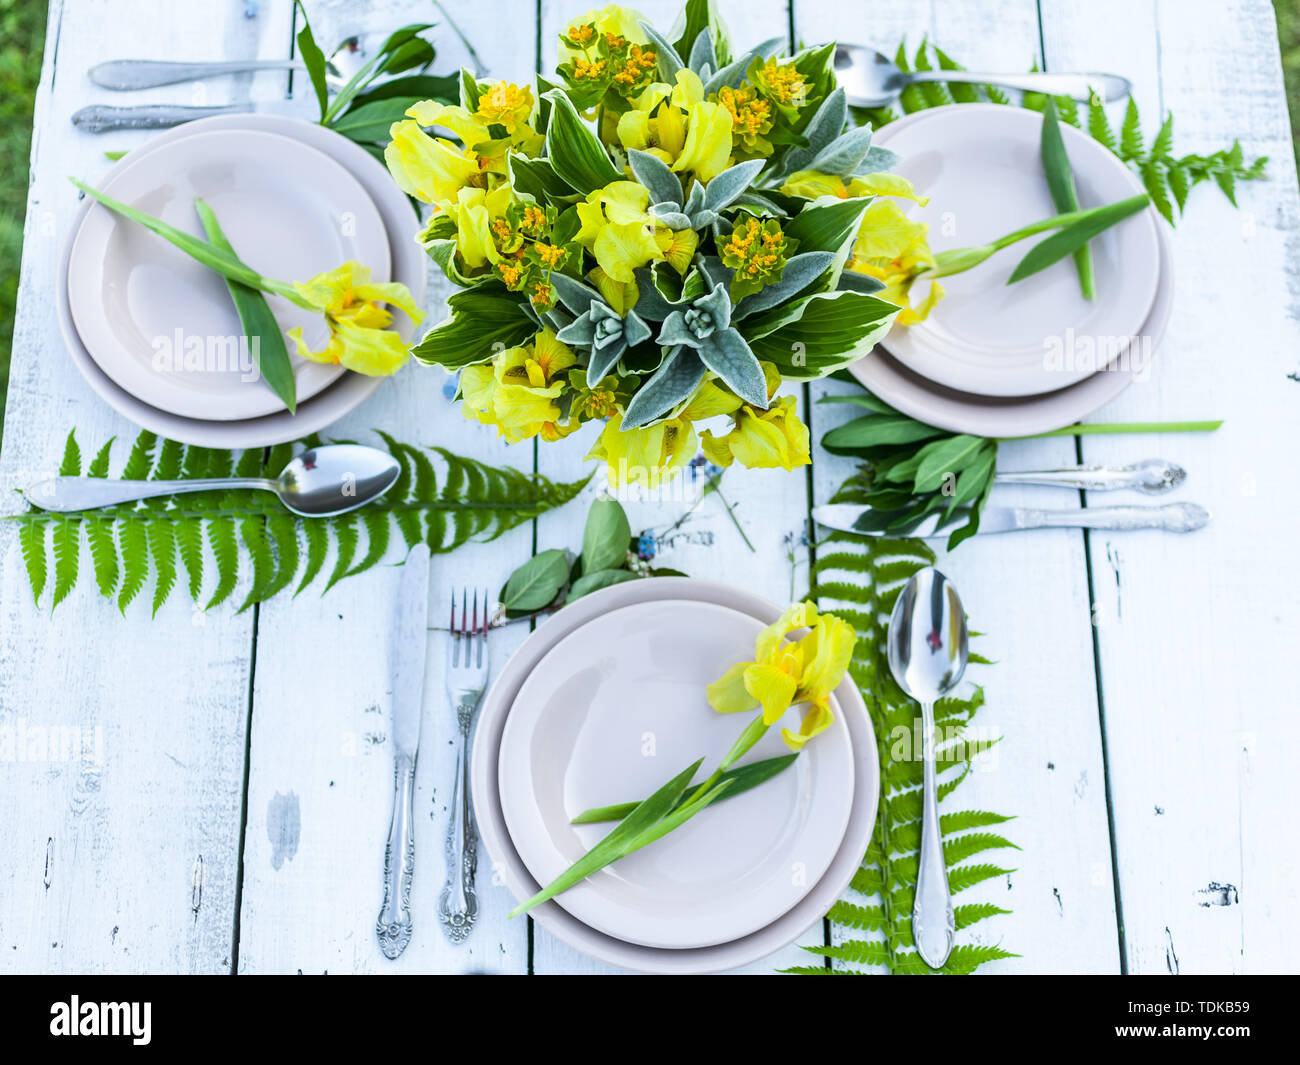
(172,538)
(858,578)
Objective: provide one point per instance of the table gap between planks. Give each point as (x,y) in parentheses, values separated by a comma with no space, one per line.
(234,815)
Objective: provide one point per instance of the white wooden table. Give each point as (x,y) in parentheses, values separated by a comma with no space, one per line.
(232,813)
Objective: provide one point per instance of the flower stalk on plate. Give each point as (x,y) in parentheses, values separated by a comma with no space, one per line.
(352,305)
(784,673)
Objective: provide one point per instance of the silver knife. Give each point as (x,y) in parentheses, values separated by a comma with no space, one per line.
(1172,517)
(98,118)
(410,637)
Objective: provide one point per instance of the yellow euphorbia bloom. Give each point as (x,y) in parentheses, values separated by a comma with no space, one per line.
(612,19)
(505,104)
(762,439)
(517,391)
(618,230)
(785,674)
(360,339)
(651,456)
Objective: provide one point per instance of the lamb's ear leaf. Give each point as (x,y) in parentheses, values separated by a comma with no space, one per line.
(844,154)
(669,61)
(651,304)
(730,76)
(635,331)
(575,153)
(674,382)
(581,331)
(729,184)
(826,125)
(652,172)
(878,160)
(728,356)
(702,54)
(668,214)
(800,272)
(573,293)
(770,47)
(602,362)
(853,281)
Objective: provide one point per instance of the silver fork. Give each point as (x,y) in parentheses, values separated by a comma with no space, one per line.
(467,670)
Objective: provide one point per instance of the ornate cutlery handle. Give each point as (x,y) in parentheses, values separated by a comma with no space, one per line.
(1151,476)
(1172,517)
(1108,86)
(393,928)
(933,923)
(86,493)
(127,74)
(458,903)
(100,119)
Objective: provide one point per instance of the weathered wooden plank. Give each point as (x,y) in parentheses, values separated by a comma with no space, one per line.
(769,504)
(1029,593)
(320,780)
(1195,633)
(122,858)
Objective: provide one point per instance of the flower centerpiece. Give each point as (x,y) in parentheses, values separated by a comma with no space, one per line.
(666,234)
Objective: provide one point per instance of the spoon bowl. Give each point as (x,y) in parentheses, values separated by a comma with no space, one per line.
(871,79)
(334,479)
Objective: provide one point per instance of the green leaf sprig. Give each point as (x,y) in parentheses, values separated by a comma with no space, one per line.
(442,507)
(912,471)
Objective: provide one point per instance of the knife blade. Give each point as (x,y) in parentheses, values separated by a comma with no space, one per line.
(1172,517)
(410,641)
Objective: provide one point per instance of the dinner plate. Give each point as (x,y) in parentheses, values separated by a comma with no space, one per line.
(962,412)
(980,165)
(509,867)
(612,712)
(162,325)
(410,266)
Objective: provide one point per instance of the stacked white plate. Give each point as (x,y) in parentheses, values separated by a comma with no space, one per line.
(1011,360)
(156,335)
(604,703)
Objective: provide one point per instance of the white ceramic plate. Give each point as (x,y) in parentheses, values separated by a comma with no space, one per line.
(410,266)
(162,325)
(980,165)
(612,712)
(961,412)
(507,863)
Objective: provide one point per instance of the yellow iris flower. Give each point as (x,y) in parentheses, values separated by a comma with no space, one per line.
(517,391)
(360,338)
(651,456)
(618,230)
(676,123)
(894,249)
(761,439)
(785,674)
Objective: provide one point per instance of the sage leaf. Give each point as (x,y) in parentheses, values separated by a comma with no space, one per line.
(605,537)
(620,841)
(265,338)
(945,457)
(741,779)
(1069,239)
(1060,183)
(537,582)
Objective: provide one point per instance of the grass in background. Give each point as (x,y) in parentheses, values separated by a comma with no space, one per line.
(22,31)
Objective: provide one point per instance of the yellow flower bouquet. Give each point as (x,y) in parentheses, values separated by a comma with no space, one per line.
(666,233)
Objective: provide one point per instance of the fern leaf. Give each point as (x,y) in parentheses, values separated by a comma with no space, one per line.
(965,916)
(1153,177)
(139,462)
(162,550)
(67,549)
(71,464)
(103,553)
(283,532)
(378,533)
(857,951)
(1131,141)
(133,551)
(346,538)
(171,457)
(252,531)
(31,542)
(318,545)
(225,553)
(189,543)
(99,464)
(1180,183)
(1099,124)
(408,521)
(1163,145)
(863,918)
(968,957)
(967,876)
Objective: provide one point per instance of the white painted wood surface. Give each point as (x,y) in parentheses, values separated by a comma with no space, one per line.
(129,857)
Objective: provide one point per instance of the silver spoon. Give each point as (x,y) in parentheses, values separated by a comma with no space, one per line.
(870,79)
(928,649)
(319,483)
(127,74)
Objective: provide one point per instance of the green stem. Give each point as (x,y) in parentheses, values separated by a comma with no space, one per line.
(1126,427)
(754,732)
(224,263)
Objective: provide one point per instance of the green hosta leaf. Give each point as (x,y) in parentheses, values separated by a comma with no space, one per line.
(823,333)
(483,320)
(537,582)
(826,224)
(573,149)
